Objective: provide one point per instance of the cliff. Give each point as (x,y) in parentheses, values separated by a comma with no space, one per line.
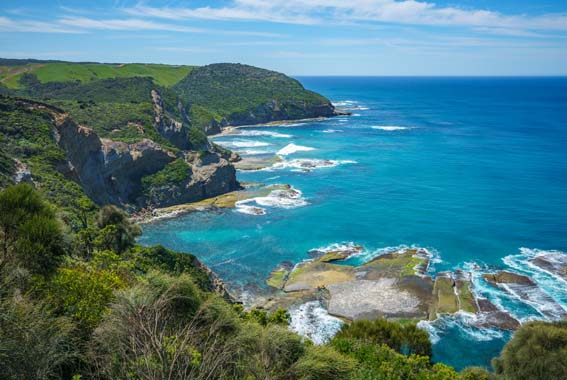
(135,135)
(109,171)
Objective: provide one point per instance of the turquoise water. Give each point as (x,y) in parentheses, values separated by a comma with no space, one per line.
(473,169)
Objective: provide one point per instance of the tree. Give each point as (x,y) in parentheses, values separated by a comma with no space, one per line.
(116,232)
(537,351)
(475,373)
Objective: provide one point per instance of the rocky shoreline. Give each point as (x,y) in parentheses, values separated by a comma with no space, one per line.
(396,285)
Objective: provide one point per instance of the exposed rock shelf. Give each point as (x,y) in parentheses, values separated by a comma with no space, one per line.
(392,285)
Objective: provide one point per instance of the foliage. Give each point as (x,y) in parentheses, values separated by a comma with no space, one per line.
(83,293)
(233,91)
(380,362)
(144,259)
(35,344)
(173,173)
(538,351)
(30,234)
(26,136)
(475,373)
(116,232)
(324,363)
(404,338)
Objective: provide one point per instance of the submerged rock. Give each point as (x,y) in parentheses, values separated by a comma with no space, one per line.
(552,262)
(505,277)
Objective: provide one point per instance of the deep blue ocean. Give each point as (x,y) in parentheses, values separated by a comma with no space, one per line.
(473,169)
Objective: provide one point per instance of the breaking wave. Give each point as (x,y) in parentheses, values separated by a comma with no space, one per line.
(245,132)
(290,198)
(390,128)
(308,164)
(292,148)
(312,321)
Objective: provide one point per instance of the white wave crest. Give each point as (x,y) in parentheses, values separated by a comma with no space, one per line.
(245,132)
(308,164)
(242,144)
(389,128)
(466,323)
(287,199)
(312,321)
(332,130)
(292,148)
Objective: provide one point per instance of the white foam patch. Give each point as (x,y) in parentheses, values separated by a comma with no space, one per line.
(349,246)
(242,144)
(307,164)
(245,132)
(390,128)
(254,152)
(287,199)
(332,131)
(292,148)
(465,323)
(312,321)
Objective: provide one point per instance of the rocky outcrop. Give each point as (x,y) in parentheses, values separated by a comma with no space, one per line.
(111,172)
(209,175)
(172,130)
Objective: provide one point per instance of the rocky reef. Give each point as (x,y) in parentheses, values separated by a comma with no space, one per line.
(391,285)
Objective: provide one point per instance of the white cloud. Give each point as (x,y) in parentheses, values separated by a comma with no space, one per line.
(124,24)
(9,25)
(408,12)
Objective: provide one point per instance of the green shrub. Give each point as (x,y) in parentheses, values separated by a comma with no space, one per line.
(324,363)
(116,232)
(537,351)
(404,338)
(35,344)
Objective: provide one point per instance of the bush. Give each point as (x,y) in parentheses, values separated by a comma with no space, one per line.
(537,351)
(324,363)
(30,234)
(34,343)
(116,232)
(406,339)
(475,373)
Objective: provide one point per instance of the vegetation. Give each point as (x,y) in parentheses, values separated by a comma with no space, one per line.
(537,351)
(46,72)
(232,91)
(88,303)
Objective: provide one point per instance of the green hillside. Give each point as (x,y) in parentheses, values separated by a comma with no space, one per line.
(163,75)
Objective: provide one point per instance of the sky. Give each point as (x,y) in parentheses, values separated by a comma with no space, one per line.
(298,37)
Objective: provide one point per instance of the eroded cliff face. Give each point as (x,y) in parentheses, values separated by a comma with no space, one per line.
(111,172)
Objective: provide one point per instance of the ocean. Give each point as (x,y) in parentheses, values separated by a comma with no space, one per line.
(472,169)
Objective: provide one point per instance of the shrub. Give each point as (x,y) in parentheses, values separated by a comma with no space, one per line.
(116,232)
(324,363)
(537,351)
(34,343)
(406,339)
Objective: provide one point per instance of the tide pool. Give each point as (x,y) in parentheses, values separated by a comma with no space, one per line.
(473,169)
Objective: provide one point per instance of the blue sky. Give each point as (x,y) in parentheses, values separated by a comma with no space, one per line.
(299,37)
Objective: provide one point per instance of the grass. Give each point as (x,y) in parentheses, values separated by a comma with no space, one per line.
(164,75)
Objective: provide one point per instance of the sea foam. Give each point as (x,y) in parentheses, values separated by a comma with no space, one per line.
(287,199)
(292,148)
(312,321)
(389,128)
